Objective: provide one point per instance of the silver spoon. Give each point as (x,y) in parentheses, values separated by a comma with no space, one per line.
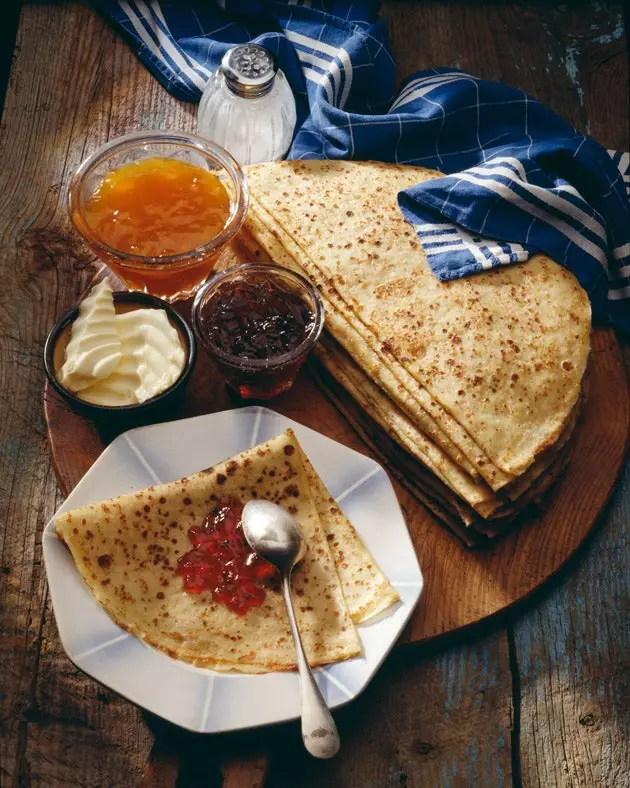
(275,536)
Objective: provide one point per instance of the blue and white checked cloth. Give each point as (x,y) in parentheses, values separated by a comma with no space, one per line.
(519,178)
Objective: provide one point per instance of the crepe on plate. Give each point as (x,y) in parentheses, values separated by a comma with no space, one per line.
(126,549)
(476,378)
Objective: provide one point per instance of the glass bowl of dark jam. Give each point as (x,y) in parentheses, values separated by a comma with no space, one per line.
(258,323)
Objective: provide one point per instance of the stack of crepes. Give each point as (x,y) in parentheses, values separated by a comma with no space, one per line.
(472,388)
(127,551)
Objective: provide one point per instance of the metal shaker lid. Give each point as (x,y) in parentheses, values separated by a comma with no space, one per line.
(249,70)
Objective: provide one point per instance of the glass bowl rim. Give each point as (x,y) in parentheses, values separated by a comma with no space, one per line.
(238,205)
(261,364)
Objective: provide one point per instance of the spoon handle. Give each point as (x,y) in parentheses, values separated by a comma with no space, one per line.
(319,731)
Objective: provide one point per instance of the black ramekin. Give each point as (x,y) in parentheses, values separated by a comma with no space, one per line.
(161,402)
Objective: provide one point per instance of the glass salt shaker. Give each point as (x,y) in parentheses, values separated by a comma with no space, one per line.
(248,107)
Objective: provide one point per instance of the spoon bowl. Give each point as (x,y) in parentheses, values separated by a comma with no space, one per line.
(275,535)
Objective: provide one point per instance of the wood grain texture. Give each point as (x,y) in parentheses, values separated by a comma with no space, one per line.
(441,721)
(74,85)
(571,651)
(52,724)
(571,56)
(572,658)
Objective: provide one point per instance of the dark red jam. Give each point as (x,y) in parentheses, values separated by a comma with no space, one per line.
(255,331)
(223,563)
(257,319)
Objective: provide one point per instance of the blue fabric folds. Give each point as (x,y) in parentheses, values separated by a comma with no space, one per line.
(519,180)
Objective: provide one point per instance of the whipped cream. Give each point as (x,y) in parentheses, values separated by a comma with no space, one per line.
(94,350)
(120,359)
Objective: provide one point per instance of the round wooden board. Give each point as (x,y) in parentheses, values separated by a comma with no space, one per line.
(462,586)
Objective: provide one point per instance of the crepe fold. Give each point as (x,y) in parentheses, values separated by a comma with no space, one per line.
(127,548)
(475,378)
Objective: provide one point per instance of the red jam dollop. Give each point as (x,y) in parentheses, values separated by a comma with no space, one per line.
(257,319)
(223,563)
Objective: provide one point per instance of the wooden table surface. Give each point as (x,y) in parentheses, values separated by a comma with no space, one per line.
(541,698)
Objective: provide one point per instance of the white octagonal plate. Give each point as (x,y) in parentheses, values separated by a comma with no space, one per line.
(196,698)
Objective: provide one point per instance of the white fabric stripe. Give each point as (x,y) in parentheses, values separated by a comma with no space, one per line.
(139,28)
(421,228)
(347,65)
(562,226)
(545,195)
(320,46)
(502,255)
(496,249)
(468,240)
(621,251)
(486,263)
(192,63)
(328,66)
(618,295)
(454,247)
(434,239)
(313,43)
(511,162)
(422,91)
(167,45)
(496,253)
(351,133)
(623,272)
(320,79)
(623,164)
(149,43)
(416,83)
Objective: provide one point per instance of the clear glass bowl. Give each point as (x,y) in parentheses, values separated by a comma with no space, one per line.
(258,378)
(170,277)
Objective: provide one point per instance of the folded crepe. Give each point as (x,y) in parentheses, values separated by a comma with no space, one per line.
(127,548)
(479,379)
(428,488)
(495,360)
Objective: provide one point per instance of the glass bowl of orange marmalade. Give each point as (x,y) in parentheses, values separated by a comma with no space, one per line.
(157,208)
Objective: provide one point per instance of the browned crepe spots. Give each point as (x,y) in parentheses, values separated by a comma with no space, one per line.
(501,353)
(126,550)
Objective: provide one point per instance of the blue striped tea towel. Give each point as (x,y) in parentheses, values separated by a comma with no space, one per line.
(519,178)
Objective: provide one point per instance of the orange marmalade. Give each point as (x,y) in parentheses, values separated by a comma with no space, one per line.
(157,207)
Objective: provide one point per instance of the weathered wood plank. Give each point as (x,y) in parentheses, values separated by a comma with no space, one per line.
(442,720)
(572,655)
(56,726)
(572,650)
(554,51)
